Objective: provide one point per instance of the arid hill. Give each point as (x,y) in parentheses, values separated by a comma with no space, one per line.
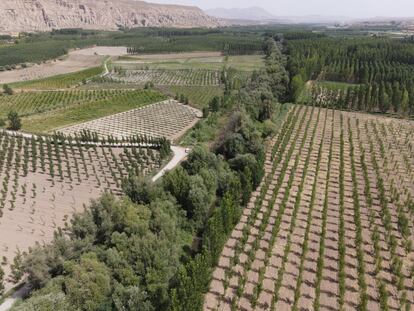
(43,15)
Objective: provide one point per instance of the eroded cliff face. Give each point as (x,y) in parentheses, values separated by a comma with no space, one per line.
(43,15)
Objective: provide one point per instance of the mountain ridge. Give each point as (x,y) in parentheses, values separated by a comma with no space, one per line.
(45,15)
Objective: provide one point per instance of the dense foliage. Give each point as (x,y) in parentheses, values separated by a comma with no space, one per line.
(34,48)
(155,248)
(379,71)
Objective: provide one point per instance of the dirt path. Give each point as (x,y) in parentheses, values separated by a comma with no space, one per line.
(180,154)
(19,294)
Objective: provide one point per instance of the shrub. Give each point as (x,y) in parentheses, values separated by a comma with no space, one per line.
(8,90)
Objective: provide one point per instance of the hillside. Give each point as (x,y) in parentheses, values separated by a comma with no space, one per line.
(43,15)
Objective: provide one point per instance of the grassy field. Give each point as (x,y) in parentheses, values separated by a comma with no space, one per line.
(74,114)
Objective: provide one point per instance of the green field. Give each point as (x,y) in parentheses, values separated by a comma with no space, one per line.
(60,81)
(242,63)
(78,113)
(29,103)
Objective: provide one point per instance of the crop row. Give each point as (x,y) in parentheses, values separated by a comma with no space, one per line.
(327,227)
(29,103)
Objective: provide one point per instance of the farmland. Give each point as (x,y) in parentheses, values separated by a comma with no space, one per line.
(185,69)
(331,225)
(70,64)
(292,189)
(47,180)
(63,81)
(168,119)
(199,97)
(95,104)
(171,77)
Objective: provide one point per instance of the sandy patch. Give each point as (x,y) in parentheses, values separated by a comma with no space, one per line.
(76,60)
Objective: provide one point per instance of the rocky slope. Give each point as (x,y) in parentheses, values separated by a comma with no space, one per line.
(43,15)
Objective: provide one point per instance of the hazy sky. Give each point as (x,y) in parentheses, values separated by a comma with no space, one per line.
(351,8)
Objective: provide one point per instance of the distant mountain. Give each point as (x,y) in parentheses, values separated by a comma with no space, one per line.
(44,15)
(248,14)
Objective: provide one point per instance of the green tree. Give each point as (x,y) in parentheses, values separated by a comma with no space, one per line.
(88,284)
(396,96)
(405,101)
(7,89)
(296,86)
(17,267)
(15,122)
(411,99)
(384,100)
(214,104)
(1,281)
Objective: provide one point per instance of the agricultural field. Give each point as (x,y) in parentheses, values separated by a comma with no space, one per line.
(170,77)
(46,180)
(194,60)
(65,65)
(93,104)
(186,69)
(29,103)
(330,227)
(169,119)
(198,97)
(64,81)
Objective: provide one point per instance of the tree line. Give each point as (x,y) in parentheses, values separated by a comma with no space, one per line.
(380,71)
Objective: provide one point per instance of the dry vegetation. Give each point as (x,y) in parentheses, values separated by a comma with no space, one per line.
(331,225)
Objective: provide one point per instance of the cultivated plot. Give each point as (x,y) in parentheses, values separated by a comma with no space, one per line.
(46,180)
(169,119)
(331,225)
(170,77)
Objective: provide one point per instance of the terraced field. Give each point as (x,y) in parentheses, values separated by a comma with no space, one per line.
(46,180)
(331,225)
(168,119)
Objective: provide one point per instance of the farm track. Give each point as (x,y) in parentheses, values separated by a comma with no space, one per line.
(330,226)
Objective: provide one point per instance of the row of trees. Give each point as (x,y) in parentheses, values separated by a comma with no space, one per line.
(384,97)
(383,67)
